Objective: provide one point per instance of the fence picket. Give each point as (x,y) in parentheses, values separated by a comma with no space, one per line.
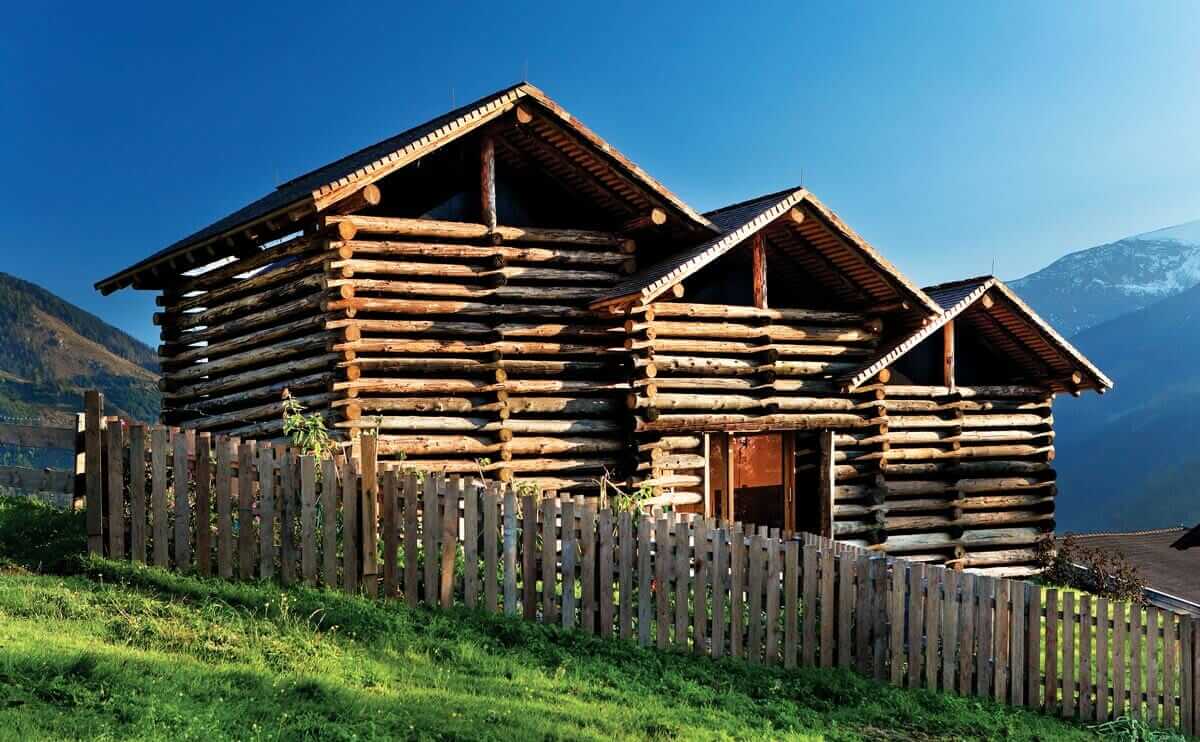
(329,510)
(682,562)
(226,454)
(1100,710)
(828,616)
(967,612)
(626,571)
(774,563)
(1084,673)
(266,510)
(158,496)
(413,490)
(791,603)
(916,616)
(986,619)
(1016,638)
(896,616)
(431,528)
(662,581)
(587,569)
(719,580)
(1136,644)
(308,517)
(451,491)
(471,504)
(247,540)
(549,559)
(1069,622)
(808,619)
(1169,670)
(183,526)
(877,567)
(1120,628)
(645,577)
(529,557)
(1050,697)
(369,513)
(1033,646)
(137,493)
(846,572)
(204,497)
(737,586)
(389,487)
(509,523)
(115,469)
(569,551)
(350,510)
(933,625)
(604,526)
(93,402)
(490,533)
(950,609)
(699,590)
(288,499)
(754,597)
(1152,651)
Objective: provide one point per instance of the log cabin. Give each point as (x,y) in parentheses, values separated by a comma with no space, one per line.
(500,292)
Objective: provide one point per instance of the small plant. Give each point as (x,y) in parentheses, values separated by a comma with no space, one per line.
(1104,573)
(481,464)
(307,432)
(1128,729)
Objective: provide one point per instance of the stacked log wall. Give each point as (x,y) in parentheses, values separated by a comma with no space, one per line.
(723,368)
(967,478)
(235,336)
(471,348)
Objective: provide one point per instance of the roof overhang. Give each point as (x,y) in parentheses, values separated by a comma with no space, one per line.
(276,214)
(1018,325)
(803,209)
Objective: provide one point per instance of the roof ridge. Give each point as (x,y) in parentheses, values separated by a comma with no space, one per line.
(960,282)
(1144,532)
(775,194)
(449,115)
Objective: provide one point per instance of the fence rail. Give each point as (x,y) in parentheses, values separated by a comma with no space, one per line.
(224,507)
(28,479)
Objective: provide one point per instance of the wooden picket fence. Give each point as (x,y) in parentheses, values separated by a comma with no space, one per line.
(251,510)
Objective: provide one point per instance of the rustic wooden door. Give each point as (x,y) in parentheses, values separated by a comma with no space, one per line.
(749,479)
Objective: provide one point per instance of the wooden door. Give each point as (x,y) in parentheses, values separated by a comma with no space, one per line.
(749,479)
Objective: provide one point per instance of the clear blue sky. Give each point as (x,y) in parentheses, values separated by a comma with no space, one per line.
(948,134)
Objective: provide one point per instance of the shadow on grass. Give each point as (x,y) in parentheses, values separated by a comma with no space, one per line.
(154,652)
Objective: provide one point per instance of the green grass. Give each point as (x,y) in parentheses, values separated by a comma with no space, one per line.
(124,652)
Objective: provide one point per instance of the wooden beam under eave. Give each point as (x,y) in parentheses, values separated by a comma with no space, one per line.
(656,217)
(948,355)
(487,183)
(758,255)
(364,197)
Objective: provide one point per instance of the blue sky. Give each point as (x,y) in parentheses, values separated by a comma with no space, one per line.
(949,134)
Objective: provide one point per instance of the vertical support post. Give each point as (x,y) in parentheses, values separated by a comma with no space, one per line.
(93,404)
(487,183)
(758,256)
(826,483)
(79,499)
(948,355)
(788,452)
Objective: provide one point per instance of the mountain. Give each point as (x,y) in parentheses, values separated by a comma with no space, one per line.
(1130,458)
(1088,287)
(51,351)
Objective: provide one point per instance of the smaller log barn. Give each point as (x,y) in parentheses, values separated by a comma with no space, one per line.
(500,290)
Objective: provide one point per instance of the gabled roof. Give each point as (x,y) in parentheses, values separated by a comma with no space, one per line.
(1163,570)
(1015,324)
(741,221)
(330,183)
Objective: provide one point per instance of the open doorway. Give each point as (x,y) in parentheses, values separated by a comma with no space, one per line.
(755,478)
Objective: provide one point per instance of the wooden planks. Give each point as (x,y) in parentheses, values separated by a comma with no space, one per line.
(681,582)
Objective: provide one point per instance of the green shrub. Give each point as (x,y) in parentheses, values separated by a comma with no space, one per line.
(40,537)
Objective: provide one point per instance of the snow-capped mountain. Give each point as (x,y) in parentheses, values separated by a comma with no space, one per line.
(1088,287)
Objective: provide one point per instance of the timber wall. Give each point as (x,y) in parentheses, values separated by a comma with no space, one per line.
(470,355)
(235,337)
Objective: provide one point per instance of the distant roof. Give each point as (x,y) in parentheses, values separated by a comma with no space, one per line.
(740,221)
(1016,322)
(1162,568)
(1188,540)
(382,158)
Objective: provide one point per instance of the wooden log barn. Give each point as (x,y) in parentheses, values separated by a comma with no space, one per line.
(500,290)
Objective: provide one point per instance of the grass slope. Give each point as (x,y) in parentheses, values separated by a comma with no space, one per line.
(117,651)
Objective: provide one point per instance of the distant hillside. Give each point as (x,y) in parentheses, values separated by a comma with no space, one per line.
(51,351)
(1131,459)
(1088,287)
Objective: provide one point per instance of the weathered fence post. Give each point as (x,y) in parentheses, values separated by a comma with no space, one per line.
(93,463)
